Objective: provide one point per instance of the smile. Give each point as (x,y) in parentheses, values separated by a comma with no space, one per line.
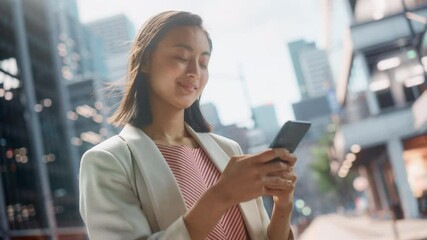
(188,86)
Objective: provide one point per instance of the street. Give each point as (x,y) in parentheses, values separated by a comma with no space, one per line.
(336,226)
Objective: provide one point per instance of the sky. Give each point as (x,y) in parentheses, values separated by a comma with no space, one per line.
(250,47)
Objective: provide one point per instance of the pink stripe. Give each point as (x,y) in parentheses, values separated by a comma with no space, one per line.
(195,173)
(235,224)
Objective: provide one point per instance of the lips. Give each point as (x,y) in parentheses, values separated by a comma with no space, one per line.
(188,86)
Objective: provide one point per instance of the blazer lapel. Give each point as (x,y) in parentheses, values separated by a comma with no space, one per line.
(249,209)
(251,215)
(212,149)
(167,201)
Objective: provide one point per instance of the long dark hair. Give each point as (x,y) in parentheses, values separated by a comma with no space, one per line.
(135,105)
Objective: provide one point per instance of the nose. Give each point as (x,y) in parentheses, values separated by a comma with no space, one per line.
(192,75)
(193,70)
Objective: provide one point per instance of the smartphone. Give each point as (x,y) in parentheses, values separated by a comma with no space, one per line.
(290,135)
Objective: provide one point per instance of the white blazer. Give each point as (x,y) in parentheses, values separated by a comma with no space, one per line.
(121,198)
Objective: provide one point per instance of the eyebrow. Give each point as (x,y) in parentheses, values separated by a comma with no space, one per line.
(180,45)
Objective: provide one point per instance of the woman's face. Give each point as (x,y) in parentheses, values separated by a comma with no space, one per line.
(178,68)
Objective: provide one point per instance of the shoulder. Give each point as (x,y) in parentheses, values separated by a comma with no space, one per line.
(112,149)
(227,144)
(112,144)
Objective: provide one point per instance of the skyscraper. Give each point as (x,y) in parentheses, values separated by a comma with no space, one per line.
(82,69)
(265,118)
(38,177)
(295,49)
(314,77)
(312,70)
(316,84)
(50,113)
(116,33)
(316,71)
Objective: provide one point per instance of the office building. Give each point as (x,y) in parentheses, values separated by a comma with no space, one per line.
(383,70)
(265,119)
(317,111)
(250,140)
(50,75)
(87,116)
(116,34)
(295,48)
(316,85)
(317,105)
(39,165)
(311,67)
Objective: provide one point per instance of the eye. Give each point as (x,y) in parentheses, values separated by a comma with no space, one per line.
(204,63)
(182,59)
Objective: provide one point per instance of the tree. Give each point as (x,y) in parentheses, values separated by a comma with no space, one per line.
(325,180)
(328,183)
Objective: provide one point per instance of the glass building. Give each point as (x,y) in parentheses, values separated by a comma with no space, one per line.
(43,81)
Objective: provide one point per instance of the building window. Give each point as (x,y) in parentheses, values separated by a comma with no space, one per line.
(370,10)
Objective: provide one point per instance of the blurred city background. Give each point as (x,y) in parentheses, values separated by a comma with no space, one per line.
(355,68)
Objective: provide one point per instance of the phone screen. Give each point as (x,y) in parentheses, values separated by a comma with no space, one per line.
(290,135)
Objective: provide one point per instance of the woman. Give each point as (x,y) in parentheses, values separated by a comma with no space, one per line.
(165,176)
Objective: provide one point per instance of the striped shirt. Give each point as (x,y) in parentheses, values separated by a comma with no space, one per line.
(195,173)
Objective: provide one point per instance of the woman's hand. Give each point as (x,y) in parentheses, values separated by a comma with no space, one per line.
(246,177)
(249,176)
(283,195)
(279,227)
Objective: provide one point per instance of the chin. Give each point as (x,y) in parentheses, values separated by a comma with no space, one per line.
(184,105)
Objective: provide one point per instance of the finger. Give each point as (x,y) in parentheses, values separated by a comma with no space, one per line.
(284,155)
(287,188)
(272,167)
(264,156)
(278,183)
(289,176)
(285,174)
(278,192)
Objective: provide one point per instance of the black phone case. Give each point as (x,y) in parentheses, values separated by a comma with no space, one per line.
(290,135)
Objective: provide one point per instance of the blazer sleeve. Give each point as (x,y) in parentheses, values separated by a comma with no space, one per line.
(109,206)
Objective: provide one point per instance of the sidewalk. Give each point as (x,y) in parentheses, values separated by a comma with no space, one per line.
(335,226)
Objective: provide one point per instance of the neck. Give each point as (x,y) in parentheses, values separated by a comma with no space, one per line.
(168,126)
(170,130)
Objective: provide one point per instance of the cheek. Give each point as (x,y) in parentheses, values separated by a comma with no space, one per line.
(164,74)
(204,81)
(166,67)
